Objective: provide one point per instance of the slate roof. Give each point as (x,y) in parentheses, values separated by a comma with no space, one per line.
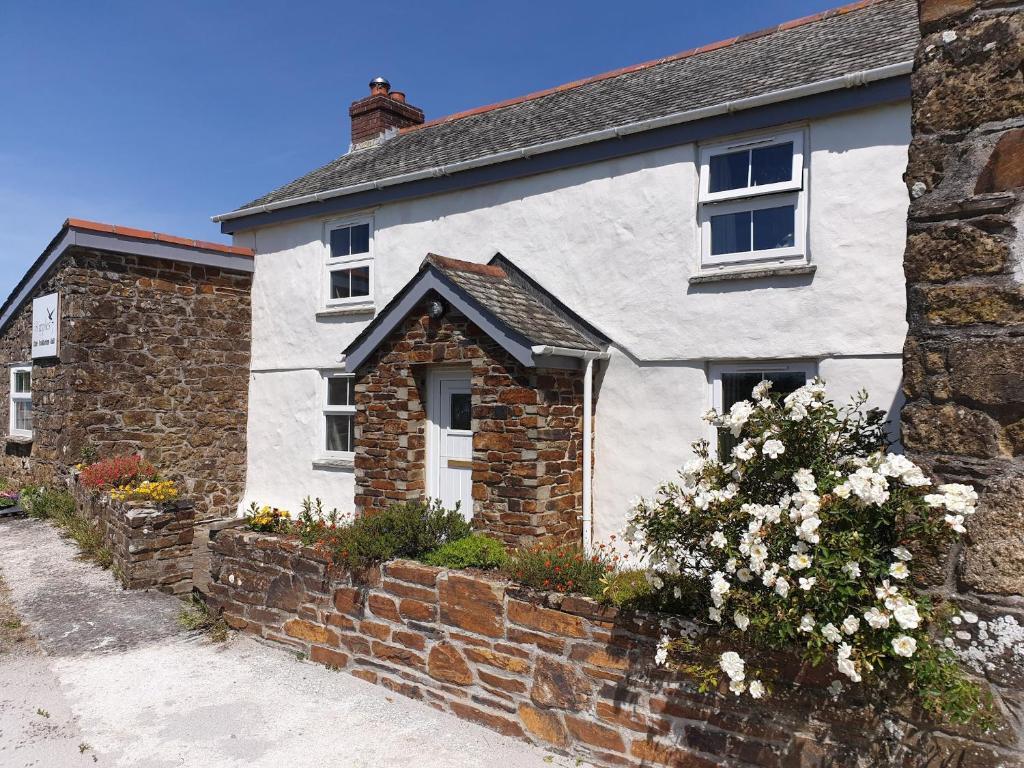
(518,302)
(866,35)
(520,313)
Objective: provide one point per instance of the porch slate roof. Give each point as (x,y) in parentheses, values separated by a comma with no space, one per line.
(861,36)
(503,300)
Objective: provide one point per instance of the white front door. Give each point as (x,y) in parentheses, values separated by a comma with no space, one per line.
(450,452)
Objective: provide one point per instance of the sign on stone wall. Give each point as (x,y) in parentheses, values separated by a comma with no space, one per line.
(46,326)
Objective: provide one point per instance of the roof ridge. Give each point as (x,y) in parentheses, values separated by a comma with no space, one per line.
(799,22)
(458,265)
(145,234)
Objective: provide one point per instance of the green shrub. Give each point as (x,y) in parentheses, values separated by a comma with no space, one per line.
(59,508)
(564,568)
(44,504)
(314,524)
(471,552)
(403,530)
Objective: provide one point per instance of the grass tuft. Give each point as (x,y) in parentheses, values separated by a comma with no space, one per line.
(196,616)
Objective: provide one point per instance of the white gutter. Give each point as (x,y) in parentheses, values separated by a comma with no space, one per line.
(851,80)
(588,430)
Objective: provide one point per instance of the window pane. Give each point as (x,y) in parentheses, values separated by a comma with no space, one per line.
(339,432)
(23,381)
(770,165)
(730,233)
(460,411)
(339,284)
(360,238)
(774,227)
(23,415)
(339,391)
(361,281)
(341,242)
(739,385)
(729,171)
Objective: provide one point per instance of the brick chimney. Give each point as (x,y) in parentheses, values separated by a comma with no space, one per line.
(383,110)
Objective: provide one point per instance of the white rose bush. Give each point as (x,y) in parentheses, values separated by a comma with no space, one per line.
(800,540)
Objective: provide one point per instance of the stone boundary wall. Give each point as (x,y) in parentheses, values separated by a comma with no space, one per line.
(151,543)
(563,672)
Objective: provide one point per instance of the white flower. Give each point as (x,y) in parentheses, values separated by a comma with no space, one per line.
(902,553)
(732,664)
(851,624)
(738,415)
(741,620)
(807,622)
(719,587)
(760,391)
(730,565)
(773,448)
(956,522)
(799,562)
(808,528)
(831,633)
(898,570)
(960,499)
(718,539)
(907,616)
(744,451)
(886,591)
(846,665)
(877,619)
(869,486)
(804,480)
(899,466)
(710,416)
(852,569)
(782,586)
(715,615)
(904,645)
(756,689)
(842,490)
(744,575)
(737,686)
(662,654)
(806,584)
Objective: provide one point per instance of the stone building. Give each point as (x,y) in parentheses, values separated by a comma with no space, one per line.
(119,341)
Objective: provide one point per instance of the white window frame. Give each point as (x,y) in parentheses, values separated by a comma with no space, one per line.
(715,371)
(328,410)
(352,261)
(792,192)
(16,397)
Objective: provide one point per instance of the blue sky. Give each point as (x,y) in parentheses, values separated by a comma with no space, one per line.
(158,115)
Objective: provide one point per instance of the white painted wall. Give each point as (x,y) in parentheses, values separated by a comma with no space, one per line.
(616,241)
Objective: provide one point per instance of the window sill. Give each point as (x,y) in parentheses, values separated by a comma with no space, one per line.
(330,462)
(19,439)
(751,272)
(356,309)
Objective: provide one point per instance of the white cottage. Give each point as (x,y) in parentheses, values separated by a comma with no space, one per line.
(617,255)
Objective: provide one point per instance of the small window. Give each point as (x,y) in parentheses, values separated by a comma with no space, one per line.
(349,264)
(732,383)
(461,411)
(752,201)
(21,401)
(339,414)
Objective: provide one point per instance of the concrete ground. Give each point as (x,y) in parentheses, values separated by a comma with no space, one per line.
(91,674)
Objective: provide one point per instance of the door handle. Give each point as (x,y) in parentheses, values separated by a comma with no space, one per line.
(460,464)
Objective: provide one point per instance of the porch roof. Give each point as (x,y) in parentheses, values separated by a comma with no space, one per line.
(502,300)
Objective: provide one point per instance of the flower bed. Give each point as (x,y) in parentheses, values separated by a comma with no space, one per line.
(562,671)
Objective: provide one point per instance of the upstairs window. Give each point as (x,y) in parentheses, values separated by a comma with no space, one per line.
(349,268)
(339,415)
(21,401)
(752,200)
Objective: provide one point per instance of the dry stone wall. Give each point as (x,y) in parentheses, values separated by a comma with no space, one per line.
(563,672)
(964,355)
(527,431)
(151,544)
(154,359)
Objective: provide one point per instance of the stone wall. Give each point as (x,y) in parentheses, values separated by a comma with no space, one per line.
(151,544)
(154,359)
(527,431)
(964,355)
(563,672)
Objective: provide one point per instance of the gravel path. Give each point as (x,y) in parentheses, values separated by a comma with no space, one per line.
(115,682)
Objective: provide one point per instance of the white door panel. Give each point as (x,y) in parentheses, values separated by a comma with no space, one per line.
(450,451)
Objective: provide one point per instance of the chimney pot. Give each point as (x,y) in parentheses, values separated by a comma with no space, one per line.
(382,111)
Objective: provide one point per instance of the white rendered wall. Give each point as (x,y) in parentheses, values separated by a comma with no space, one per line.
(616,241)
